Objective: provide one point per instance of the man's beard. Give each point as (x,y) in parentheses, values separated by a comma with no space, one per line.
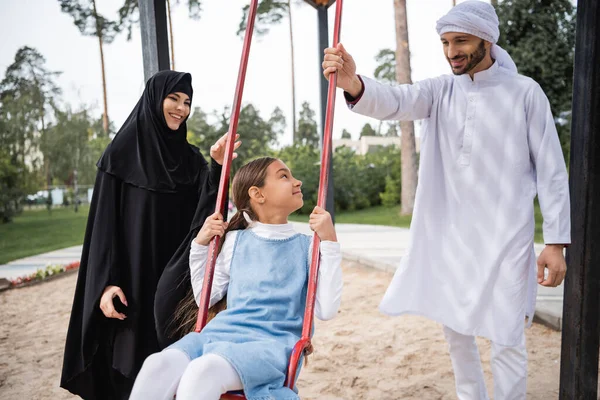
(473,59)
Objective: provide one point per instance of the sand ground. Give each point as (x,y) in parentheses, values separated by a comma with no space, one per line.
(361,354)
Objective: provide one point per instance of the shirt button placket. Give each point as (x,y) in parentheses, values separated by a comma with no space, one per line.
(465,156)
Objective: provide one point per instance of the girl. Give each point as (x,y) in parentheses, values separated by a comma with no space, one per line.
(263,267)
(149,183)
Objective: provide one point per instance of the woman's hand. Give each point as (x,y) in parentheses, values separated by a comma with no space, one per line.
(217,150)
(106,302)
(213,226)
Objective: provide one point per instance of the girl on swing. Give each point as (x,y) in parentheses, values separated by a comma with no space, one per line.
(263,268)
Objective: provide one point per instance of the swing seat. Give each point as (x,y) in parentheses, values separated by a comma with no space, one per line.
(302,347)
(233,396)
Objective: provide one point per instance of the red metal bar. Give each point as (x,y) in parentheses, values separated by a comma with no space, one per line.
(322,197)
(224,183)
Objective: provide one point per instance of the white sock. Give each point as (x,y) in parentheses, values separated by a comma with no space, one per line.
(160,375)
(207,378)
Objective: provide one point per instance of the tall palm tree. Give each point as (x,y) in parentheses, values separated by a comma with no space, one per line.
(403,76)
(90,23)
(171,35)
(100,42)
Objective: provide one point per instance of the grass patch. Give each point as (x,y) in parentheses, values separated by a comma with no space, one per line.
(38,231)
(390,216)
(378,215)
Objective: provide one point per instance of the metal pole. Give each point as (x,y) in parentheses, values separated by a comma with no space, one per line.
(581,309)
(155,39)
(323,44)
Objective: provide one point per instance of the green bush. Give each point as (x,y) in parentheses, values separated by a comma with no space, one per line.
(391,196)
(358,180)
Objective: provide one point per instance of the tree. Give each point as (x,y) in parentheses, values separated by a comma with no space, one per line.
(307,127)
(90,23)
(540,37)
(28,75)
(10,190)
(385,71)
(403,76)
(270,12)
(73,145)
(129,16)
(200,132)
(392,129)
(28,94)
(367,130)
(346,134)
(386,66)
(277,122)
(257,134)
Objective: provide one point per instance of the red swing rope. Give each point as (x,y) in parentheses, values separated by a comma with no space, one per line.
(304,341)
(224,183)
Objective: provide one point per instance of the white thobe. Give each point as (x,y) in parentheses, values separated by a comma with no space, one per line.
(330,283)
(488,145)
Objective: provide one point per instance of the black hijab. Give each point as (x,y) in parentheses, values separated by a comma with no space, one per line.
(146,152)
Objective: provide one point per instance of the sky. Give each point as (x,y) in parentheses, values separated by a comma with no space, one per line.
(210,50)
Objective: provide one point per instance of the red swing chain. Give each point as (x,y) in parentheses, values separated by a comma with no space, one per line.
(304,341)
(224,183)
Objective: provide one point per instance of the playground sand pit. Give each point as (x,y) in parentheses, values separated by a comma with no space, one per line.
(361,354)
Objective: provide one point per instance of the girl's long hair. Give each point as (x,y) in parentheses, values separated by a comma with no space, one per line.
(253,173)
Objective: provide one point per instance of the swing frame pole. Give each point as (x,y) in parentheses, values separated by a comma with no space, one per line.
(225,172)
(305,341)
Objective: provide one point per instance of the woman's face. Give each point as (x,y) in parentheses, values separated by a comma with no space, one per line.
(176,108)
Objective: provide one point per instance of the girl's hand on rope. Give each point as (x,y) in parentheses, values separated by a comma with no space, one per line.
(217,150)
(213,226)
(320,222)
(106,302)
(337,59)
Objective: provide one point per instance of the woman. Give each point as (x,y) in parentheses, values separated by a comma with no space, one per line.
(149,183)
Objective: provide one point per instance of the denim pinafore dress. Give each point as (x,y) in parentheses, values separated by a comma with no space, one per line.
(265,308)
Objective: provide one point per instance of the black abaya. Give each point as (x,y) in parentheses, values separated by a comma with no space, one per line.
(148,188)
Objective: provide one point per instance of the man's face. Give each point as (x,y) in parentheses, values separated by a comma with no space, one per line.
(463,51)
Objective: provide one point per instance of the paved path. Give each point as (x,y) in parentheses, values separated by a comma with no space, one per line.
(375,246)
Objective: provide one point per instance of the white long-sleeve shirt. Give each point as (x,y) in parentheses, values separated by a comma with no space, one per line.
(488,145)
(329,288)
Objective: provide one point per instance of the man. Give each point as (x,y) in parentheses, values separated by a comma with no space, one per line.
(488,145)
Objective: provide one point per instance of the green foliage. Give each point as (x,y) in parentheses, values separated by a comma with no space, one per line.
(346,134)
(27,96)
(88,20)
(386,66)
(129,14)
(73,142)
(349,174)
(368,130)
(268,12)
(358,180)
(304,162)
(257,134)
(307,133)
(392,129)
(10,191)
(391,196)
(540,37)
